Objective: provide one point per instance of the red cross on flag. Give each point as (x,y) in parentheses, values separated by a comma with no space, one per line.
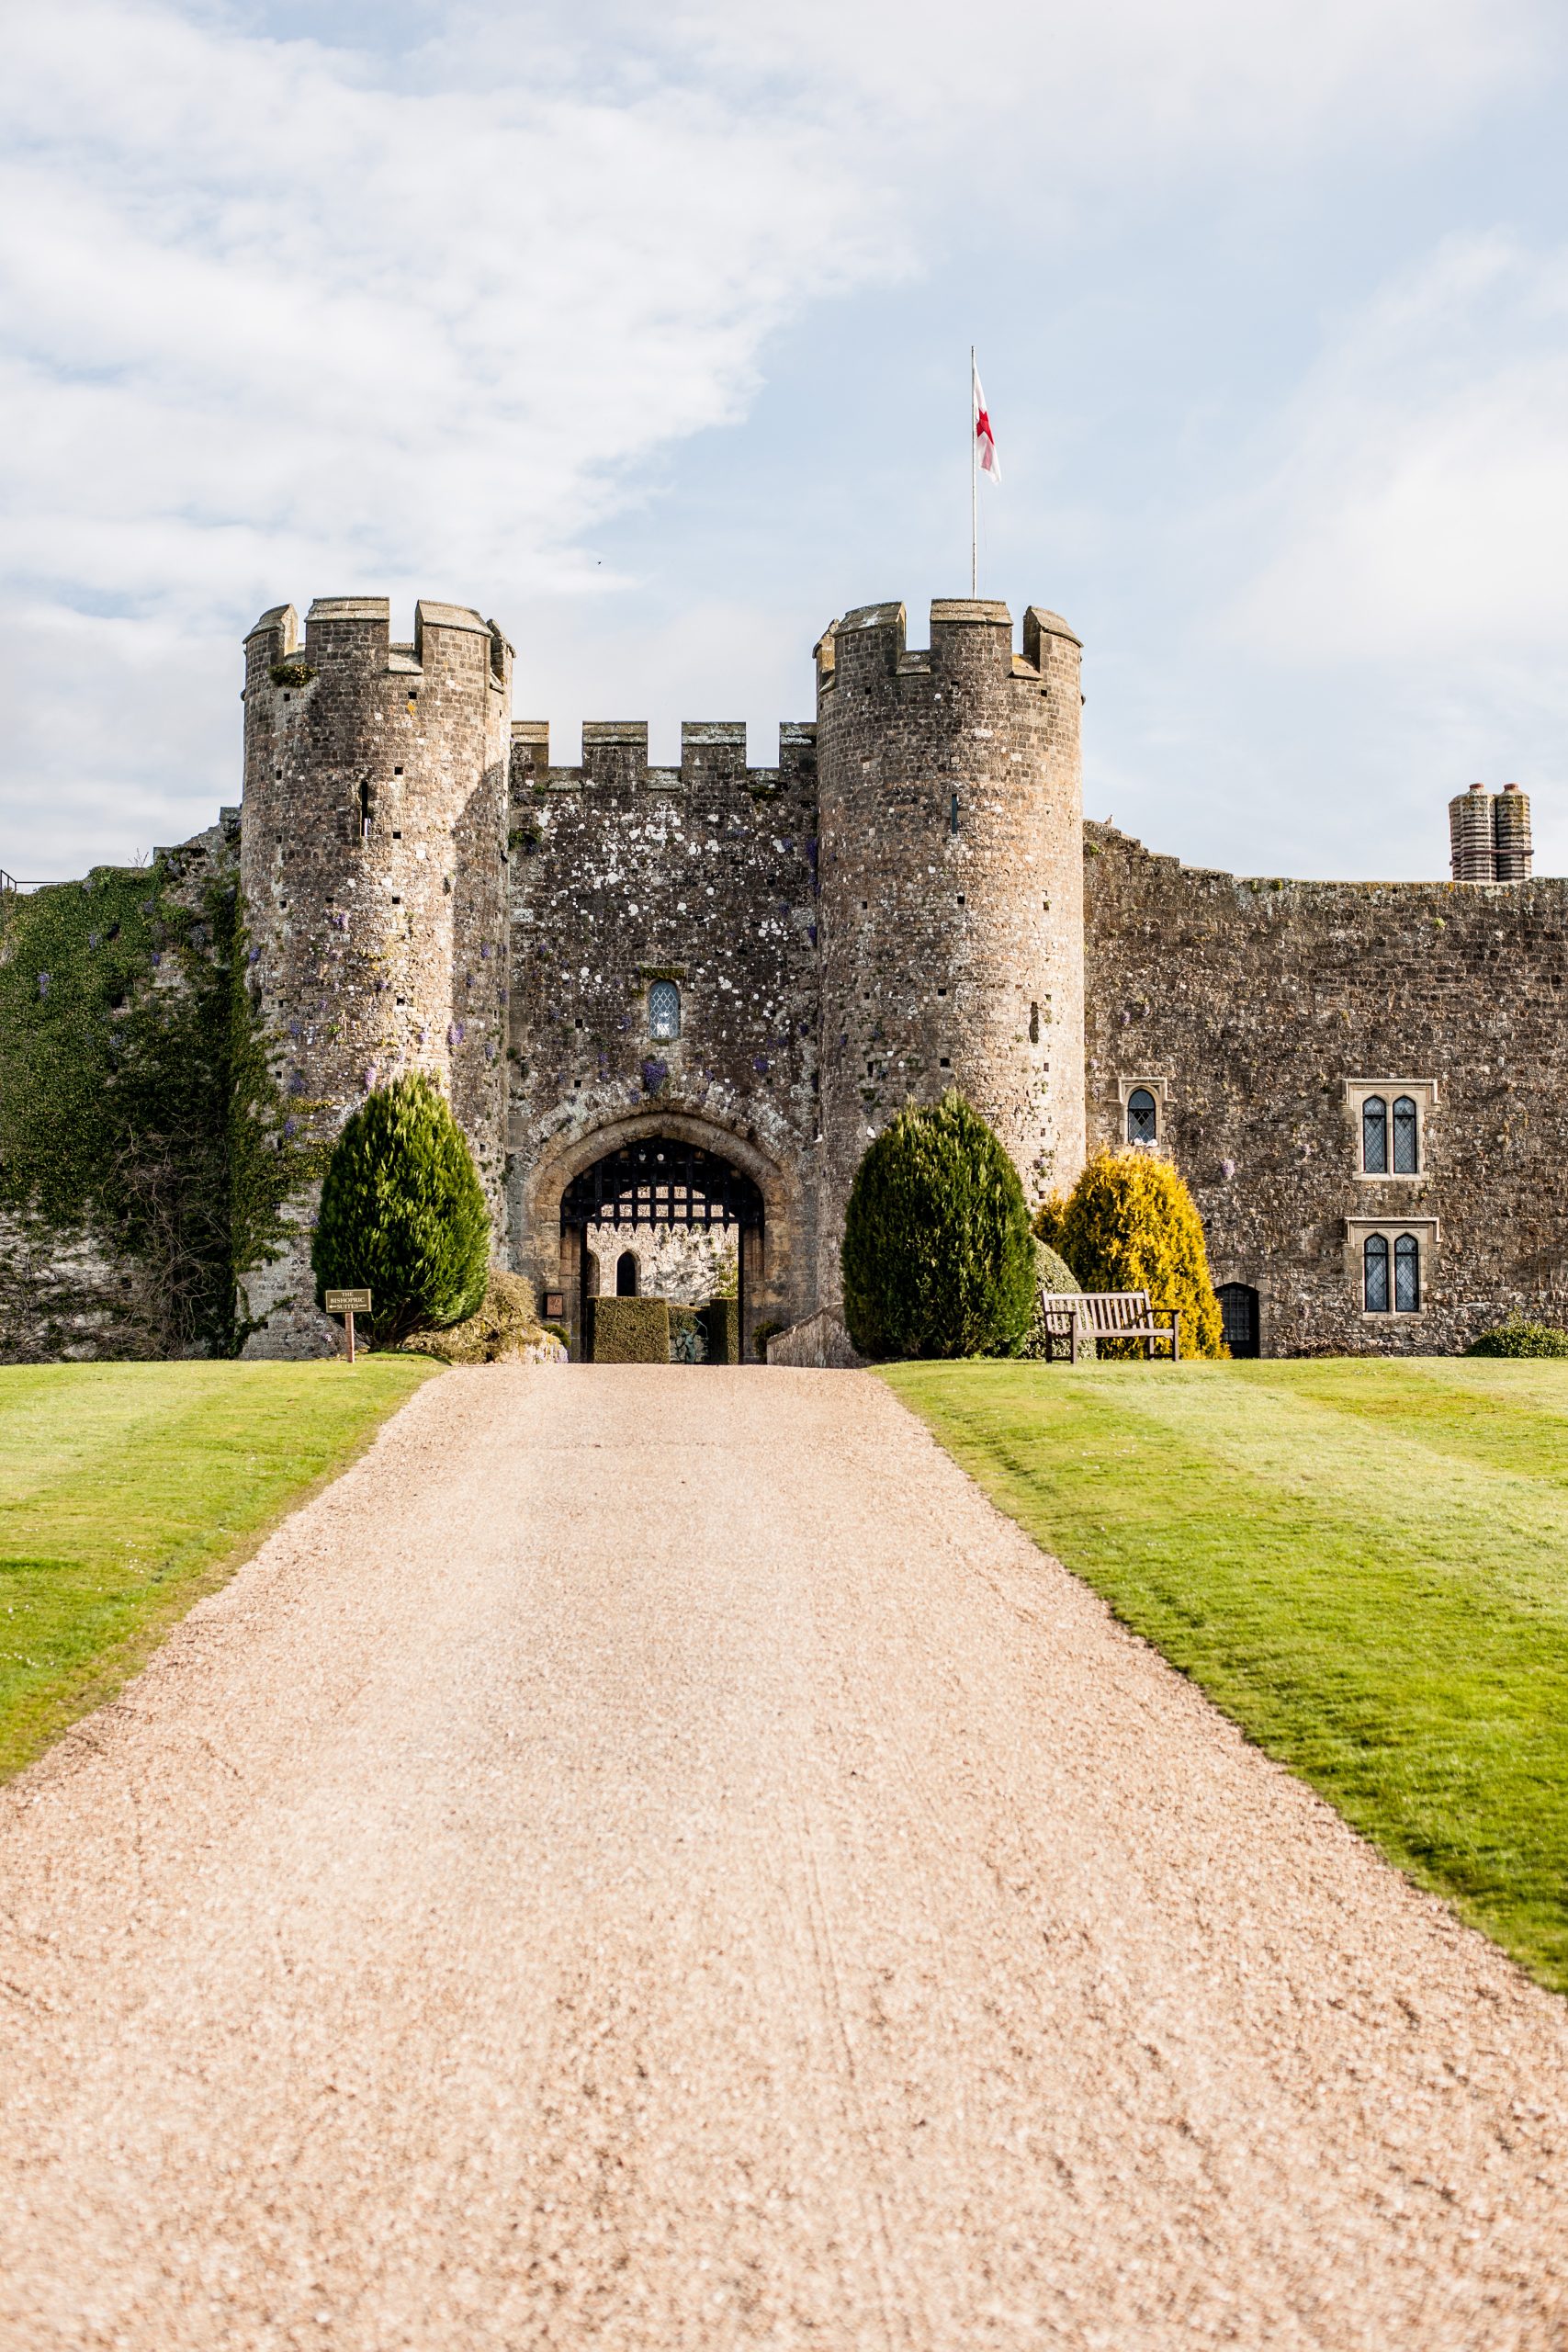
(985,439)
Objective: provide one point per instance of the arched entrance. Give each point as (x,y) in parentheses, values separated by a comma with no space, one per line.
(662,1180)
(1238,1310)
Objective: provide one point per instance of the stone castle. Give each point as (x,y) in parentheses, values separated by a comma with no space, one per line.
(692,994)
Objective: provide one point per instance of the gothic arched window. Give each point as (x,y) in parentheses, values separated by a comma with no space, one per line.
(664,1010)
(1406,1149)
(1374,1136)
(1143,1117)
(1374,1260)
(627,1273)
(1408,1275)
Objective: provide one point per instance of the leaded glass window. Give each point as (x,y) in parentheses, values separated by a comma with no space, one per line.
(1374,1136)
(1407,1274)
(1141,1117)
(1374,1258)
(1405,1137)
(664,1010)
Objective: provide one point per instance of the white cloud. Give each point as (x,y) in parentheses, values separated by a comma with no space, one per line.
(1089,95)
(291,318)
(1418,511)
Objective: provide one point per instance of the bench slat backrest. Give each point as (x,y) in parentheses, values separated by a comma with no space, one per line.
(1109,1311)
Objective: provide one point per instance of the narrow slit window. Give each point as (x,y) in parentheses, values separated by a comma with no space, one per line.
(664,1010)
(1035,1024)
(1142,1118)
(1374,1136)
(1408,1275)
(1406,1142)
(1375,1279)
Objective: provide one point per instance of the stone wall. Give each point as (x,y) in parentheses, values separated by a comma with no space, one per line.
(703,875)
(1260,1012)
(686,1264)
(952,887)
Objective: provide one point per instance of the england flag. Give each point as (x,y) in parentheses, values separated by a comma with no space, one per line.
(985,439)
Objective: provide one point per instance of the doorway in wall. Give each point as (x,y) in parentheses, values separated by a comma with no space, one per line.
(1239,1316)
(661,1181)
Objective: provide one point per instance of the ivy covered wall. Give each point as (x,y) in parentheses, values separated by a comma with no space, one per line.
(144,1150)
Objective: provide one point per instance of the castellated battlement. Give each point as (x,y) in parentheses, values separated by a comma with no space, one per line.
(357,631)
(967,635)
(614,760)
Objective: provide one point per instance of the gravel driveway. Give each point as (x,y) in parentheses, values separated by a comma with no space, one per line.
(651,1860)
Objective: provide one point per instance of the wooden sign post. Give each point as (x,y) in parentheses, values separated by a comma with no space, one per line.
(348,1304)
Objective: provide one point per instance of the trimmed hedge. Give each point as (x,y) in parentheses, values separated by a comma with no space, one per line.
(628,1330)
(721,1323)
(1130,1223)
(402,1213)
(1517,1337)
(937,1255)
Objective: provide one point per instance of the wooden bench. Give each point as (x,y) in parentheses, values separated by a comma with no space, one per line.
(1107,1314)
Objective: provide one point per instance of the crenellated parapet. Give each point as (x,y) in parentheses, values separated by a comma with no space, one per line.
(614,760)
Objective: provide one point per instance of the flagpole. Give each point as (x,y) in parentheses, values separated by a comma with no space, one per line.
(974,489)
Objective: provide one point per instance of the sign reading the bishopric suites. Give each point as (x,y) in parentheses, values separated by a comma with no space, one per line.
(348,1302)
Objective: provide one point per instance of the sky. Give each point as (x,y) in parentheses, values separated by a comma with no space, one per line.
(647,331)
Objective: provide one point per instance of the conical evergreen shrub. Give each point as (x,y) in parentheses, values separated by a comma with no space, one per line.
(402,1214)
(1130,1223)
(938,1258)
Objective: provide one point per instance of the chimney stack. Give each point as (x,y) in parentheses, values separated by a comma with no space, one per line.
(1470,836)
(1511,834)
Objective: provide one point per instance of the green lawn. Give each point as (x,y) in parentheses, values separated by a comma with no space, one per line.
(1364,1563)
(128,1490)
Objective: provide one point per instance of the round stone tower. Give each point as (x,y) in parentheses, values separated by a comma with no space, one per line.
(372,867)
(952,887)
